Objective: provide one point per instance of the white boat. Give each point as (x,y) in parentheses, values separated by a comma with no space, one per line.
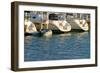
(77,23)
(63,26)
(58,22)
(30,28)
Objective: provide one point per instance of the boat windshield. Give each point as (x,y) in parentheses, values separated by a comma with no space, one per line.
(56,17)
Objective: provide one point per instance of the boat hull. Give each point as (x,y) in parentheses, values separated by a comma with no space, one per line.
(78,24)
(62,26)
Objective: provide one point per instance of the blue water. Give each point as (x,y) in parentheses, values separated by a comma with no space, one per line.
(72,45)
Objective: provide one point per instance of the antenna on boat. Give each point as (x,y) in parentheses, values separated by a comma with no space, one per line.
(64,16)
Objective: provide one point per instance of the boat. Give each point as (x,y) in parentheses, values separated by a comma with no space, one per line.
(58,22)
(62,26)
(30,28)
(79,23)
(46,32)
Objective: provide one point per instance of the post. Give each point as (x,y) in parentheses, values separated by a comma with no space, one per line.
(42,21)
(47,20)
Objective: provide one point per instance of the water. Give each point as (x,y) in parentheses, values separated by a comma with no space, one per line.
(72,45)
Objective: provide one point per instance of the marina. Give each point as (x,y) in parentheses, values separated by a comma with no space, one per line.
(56,36)
(55,21)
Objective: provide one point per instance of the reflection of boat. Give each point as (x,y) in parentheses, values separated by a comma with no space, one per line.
(58,22)
(78,23)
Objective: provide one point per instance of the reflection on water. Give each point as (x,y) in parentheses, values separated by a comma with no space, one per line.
(72,45)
